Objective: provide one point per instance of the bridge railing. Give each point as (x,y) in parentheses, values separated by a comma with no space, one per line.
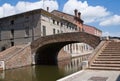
(96,52)
(18,52)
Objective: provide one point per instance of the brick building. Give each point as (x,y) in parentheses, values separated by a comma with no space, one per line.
(92,30)
(28,26)
(76,19)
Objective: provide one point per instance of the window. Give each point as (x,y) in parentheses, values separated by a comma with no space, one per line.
(61,31)
(27,32)
(61,24)
(12,43)
(58,31)
(12,22)
(57,22)
(53,30)
(3,48)
(0,35)
(67,25)
(12,33)
(53,21)
(26,17)
(75,28)
(44,30)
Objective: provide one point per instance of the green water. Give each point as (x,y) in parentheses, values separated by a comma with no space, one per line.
(40,72)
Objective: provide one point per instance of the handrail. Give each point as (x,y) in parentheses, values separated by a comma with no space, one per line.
(2,53)
(16,53)
(96,51)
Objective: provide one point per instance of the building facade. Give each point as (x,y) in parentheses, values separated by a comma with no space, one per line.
(26,27)
(76,19)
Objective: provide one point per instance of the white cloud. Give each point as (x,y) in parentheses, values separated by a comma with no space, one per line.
(111,21)
(8,9)
(105,34)
(89,13)
(111,34)
(1,11)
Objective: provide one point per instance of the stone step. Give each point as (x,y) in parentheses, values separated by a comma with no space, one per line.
(109,55)
(106,62)
(14,50)
(107,59)
(112,49)
(113,46)
(114,43)
(104,68)
(108,47)
(106,65)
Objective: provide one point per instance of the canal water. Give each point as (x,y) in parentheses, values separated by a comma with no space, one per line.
(42,72)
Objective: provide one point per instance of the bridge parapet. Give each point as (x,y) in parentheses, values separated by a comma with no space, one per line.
(74,37)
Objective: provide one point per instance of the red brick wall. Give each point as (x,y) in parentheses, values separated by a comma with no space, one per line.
(92,30)
(89,29)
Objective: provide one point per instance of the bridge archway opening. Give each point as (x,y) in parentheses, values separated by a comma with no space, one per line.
(48,54)
(77,48)
(73,50)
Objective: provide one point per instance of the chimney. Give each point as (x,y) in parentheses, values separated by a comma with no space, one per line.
(79,15)
(48,9)
(75,11)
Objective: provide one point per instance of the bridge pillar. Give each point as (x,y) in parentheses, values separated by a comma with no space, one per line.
(33,58)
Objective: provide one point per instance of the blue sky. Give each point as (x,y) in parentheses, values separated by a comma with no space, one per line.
(103,14)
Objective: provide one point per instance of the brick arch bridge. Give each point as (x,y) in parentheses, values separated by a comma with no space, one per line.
(45,49)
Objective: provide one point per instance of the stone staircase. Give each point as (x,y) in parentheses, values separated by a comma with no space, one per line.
(5,54)
(16,56)
(108,58)
(10,52)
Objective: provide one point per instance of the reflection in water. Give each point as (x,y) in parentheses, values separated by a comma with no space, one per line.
(69,67)
(42,73)
(20,74)
(47,73)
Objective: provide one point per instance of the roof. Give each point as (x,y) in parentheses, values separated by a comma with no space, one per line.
(39,11)
(22,14)
(84,25)
(70,18)
(66,16)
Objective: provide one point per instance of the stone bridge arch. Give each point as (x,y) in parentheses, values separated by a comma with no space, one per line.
(45,49)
